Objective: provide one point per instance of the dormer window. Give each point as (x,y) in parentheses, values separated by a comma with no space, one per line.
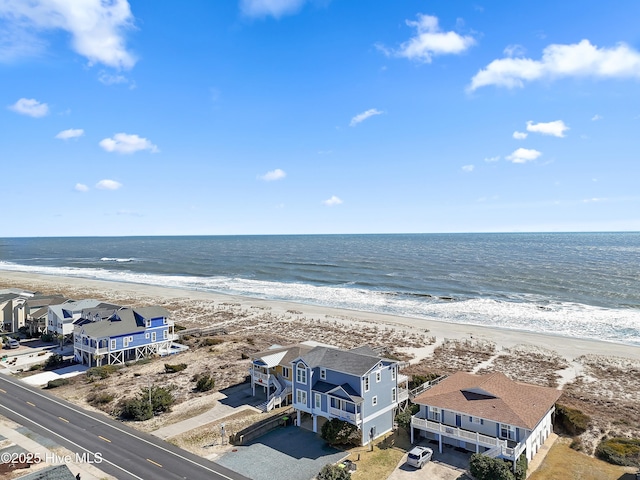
(323,374)
(147,322)
(378,376)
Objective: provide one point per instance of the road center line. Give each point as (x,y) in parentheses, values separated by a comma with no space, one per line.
(32,404)
(64,419)
(69,441)
(155,463)
(105,439)
(80,412)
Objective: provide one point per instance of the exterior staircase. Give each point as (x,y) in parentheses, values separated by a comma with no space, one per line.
(277,398)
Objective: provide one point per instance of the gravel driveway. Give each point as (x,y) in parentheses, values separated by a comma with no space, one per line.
(286,452)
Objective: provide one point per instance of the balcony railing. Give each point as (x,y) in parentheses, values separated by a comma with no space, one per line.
(403,394)
(344,415)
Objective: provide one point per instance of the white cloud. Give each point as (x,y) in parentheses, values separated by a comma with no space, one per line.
(96,26)
(520,135)
(576,60)
(514,51)
(361,117)
(594,200)
(276,174)
(274,8)
(71,133)
(468,168)
(556,128)
(596,117)
(125,143)
(30,107)
(523,155)
(81,187)
(332,202)
(492,159)
(107,184)
(429,40)
(110,79)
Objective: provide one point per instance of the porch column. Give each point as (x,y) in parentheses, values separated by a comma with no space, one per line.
(411,428)
(298,418)
(315,423)
(253,381)
(268,386)
(440,441)
(477,442)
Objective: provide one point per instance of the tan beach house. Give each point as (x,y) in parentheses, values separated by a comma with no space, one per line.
(488,414)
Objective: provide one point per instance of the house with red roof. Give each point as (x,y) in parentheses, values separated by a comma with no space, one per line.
(489,414)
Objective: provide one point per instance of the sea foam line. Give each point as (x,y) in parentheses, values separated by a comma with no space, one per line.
(560,318)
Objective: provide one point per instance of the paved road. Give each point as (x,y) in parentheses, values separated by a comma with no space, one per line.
(126,453)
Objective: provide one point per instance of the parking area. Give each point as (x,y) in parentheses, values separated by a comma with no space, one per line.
(287,452)
(448,465)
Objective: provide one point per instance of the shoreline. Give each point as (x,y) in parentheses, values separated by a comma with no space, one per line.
(568,347)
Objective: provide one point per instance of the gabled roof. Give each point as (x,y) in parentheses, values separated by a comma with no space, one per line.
(344,361)
(40,301)
(71,307)
(152,312)
(493,397)
(281,355)
(121,322)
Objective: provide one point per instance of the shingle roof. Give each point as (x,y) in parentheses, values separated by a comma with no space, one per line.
(122,322)
(340,360)
(492,396)
(56,472)
(291,352)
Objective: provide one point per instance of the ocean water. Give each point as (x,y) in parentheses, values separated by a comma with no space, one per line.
(574,284)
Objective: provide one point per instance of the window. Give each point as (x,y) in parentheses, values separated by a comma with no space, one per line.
(435,413)
(164,321)
(165,334)
(507,431)
(323,374)
(147,322)
(301,396)
(113,344)
(475,420)
(153,336)
(125,342)
(374,400)
(378,376)
(146,335)
(301,374)
(393,373)
(366,383)
(286,373)
(393,394)
(317,400)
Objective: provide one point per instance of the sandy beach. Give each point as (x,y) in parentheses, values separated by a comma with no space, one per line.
(600,378)
(192,308)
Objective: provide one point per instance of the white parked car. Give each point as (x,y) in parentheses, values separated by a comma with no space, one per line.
(13,343)
(418,456)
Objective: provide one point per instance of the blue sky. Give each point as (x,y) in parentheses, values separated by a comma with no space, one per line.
(318,116)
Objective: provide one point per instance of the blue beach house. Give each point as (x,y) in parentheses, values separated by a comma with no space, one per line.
(357,386)
(118,336)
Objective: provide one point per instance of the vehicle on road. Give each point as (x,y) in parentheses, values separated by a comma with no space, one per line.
(12,343)
(418,456)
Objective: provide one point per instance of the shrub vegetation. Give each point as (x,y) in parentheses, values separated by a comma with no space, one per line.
(58,382)
(168,368)
(571,421)
(139,408)
(333,472)
(620,451)
(205,383)
(339,432)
